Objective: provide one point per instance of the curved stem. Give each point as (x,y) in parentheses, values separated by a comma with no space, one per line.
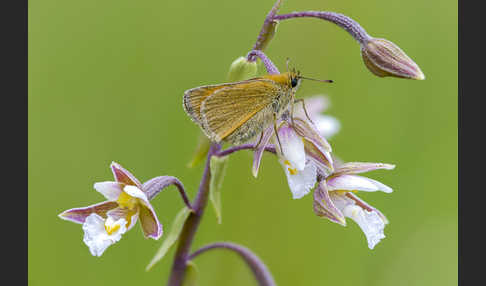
(153,186)
(348,24)
(233,149)
(258,268)
(190,226)
(271,68)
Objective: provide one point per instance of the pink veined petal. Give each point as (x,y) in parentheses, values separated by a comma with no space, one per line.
(118,213)
(79,215)
(124,176)
(366,206)
(257,155)
(151,226)
(324,207)
(350,168)
(323,158)
(111,190)
(309,132)
(370,222)
(356,183)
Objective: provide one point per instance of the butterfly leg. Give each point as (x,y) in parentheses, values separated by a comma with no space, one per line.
(305,109)
(259,141)
(276,131)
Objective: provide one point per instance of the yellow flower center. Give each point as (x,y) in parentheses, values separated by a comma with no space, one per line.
(292,171)
(127,201)
(111,229)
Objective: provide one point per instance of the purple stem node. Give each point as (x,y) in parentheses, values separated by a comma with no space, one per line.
(271,68)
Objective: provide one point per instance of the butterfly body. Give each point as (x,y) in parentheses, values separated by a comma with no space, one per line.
(237,112)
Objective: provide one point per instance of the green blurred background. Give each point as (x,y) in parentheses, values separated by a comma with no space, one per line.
(106,80)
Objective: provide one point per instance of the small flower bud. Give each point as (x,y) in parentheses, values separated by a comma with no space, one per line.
(267,36)
(384,58)
(242,69)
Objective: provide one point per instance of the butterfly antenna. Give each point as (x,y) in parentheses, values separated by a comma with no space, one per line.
(320,80)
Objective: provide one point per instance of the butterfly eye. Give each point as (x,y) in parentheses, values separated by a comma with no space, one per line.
(294,82)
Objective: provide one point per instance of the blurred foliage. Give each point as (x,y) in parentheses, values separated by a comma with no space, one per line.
(106,80)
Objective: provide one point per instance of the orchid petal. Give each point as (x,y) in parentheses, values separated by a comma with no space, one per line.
(111,190)
(293,147)
(79,215)
(136,193)
(356,183)
(151,226)
(129,215)
(257,155)
(369,221)
(300,182)
(124,176)
(324,207)
(359,167)
(148,219)
(322,158)
(96,236)
(366,206)
(309,132)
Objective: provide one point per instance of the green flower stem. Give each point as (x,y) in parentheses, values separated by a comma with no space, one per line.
(192,223)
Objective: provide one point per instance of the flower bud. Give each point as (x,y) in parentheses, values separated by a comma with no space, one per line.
(268,34)
(384,58)
(242,69)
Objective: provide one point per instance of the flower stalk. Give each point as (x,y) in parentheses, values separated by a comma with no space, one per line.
(258,268)
(381,57)
(343,21)
(182,257)
(192,223)
(157,184)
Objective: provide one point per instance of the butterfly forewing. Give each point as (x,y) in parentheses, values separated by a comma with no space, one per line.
(228,108)
(194,97)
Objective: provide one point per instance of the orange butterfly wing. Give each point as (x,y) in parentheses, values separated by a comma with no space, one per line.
(228,108)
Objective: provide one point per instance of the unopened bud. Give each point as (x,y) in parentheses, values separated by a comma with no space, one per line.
(242,69)
(268,34)
(384,58)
